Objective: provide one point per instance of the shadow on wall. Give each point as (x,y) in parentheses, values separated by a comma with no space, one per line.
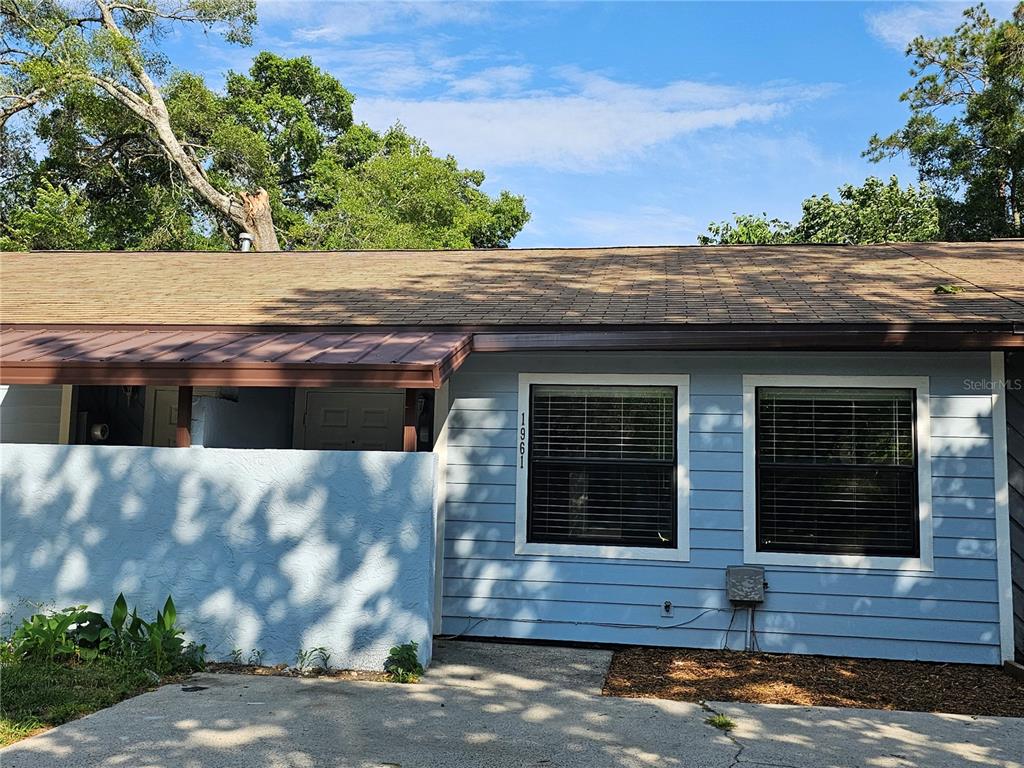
(274,550)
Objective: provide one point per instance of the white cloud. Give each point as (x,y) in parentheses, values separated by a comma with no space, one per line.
(588,122)
(897,26)
(505,79)
(335,20)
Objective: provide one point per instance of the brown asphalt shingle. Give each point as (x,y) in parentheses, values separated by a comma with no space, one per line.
(611,286)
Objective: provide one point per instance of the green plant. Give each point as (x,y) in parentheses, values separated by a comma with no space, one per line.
(49,636)
(236,655)
(256,657)
(402,664)
(721,722)
(161,642)
(304,659)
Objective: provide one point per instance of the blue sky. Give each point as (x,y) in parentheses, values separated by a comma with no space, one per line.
(622,123)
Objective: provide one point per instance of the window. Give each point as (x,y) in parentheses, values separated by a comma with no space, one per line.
(600,467)
(837,474)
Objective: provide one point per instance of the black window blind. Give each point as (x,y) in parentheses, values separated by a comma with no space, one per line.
(837,471)
(602,465)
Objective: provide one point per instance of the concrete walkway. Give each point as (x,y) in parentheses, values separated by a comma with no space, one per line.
(498,705)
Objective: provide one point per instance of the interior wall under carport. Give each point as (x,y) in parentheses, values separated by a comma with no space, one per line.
(218,417)
(1014,388)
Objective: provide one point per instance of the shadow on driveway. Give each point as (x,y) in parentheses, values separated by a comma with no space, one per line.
(486,704)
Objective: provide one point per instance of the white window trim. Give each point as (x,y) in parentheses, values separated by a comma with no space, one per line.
(681,382)
(924,474)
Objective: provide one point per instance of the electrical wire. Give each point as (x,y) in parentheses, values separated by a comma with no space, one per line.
(725,641)
(468,627)
(614,625)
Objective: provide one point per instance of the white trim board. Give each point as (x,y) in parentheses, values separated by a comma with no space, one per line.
(442,410)
(924,474)
(682,384)
(1001,480)
(67,392)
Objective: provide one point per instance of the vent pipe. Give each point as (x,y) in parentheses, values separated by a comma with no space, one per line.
(244,241)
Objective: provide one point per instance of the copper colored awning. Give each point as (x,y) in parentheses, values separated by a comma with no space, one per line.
(406,359)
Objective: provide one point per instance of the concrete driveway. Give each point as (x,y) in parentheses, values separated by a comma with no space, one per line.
(498,705)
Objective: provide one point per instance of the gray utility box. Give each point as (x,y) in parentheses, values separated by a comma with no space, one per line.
(745,583)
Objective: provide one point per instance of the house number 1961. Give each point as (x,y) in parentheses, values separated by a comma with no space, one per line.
(522,440)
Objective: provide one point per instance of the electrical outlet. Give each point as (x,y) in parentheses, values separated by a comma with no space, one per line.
(666,609)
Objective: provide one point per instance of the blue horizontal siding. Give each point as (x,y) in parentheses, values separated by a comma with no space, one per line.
(475,592)
(947,543)
(949,614)
(861,624)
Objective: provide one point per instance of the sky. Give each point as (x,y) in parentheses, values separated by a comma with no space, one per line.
(625,123)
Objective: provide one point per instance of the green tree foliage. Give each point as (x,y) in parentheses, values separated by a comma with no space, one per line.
(748,229)
(965,134)
(57,219)
(390,191)
(876,212)
(57,50)
(179,165)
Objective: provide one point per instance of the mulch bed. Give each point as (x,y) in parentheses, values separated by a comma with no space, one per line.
(283,670)
(762,678)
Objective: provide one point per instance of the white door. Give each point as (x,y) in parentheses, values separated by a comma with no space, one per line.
(352,420)
(165,416)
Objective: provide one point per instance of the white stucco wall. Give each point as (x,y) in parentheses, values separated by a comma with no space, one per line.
(270,549)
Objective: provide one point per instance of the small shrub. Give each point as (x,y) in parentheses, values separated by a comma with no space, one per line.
(403,664)
(77,632)
(51,636)
(160,642)
(236,655)
(305,659)
(721,722)
(256,657)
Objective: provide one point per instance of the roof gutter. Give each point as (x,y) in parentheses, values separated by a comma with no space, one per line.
(798,338)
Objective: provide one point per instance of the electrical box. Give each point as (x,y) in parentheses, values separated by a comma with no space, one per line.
(745,583)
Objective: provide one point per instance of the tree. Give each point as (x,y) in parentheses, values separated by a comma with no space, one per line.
(56,220)
(391,191)
(57,47)
(965,134)
(876,212)
(748,229)
(285,127)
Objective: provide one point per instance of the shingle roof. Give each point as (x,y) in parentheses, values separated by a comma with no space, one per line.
(607,286)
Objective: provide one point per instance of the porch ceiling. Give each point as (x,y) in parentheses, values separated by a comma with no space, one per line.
(402,359)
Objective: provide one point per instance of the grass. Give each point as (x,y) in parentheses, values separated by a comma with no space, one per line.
(721,722)
(35,695)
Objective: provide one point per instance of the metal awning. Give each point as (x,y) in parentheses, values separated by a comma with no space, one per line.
(203,357)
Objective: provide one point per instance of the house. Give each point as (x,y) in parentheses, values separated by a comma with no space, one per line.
(355,449)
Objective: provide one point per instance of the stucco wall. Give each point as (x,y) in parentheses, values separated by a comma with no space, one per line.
(274,549)
(950,613)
